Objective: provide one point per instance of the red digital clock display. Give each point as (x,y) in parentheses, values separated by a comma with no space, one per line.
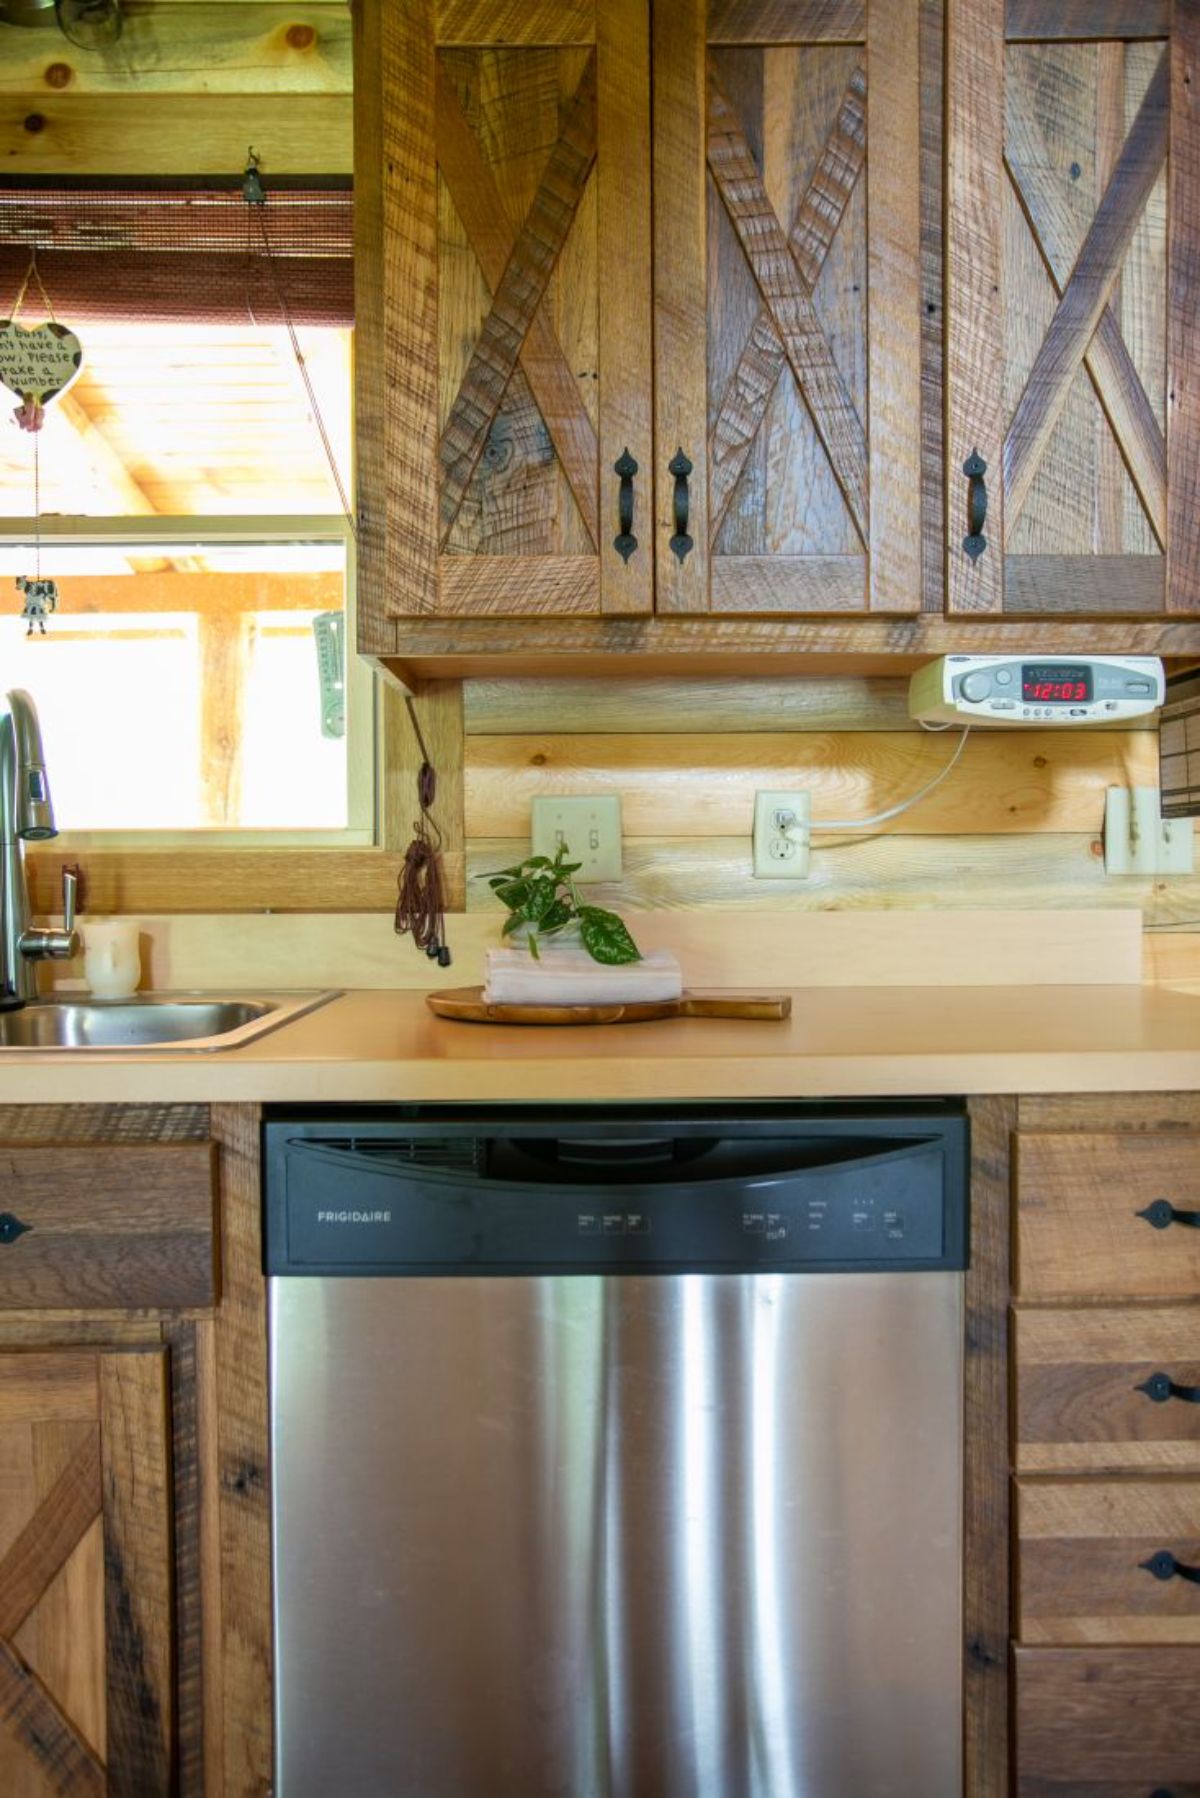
(1056,683)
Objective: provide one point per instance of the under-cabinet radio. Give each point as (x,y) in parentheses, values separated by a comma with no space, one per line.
(1043,690)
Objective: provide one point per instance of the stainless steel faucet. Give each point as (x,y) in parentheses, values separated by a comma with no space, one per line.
(26,815)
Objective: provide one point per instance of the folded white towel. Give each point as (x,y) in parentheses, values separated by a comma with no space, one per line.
(571,977)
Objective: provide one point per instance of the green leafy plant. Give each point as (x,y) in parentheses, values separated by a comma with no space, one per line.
(542,898)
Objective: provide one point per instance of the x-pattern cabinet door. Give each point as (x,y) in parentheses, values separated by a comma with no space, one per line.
(505,374)
(86,1586)
(1073,279)
(787,306)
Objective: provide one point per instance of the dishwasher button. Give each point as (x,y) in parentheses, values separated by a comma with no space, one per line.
(776,1227)
(893,1225)
(637,1223)
(755,1222)
(614,1223)
(588,1223)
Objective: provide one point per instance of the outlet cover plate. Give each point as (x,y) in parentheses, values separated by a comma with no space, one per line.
(590,826)
(1139,840)
(781,849)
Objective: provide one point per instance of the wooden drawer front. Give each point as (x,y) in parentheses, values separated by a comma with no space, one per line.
(1081,1546)
(1079,1234)
(1080,1404)
(108,1226)
(1107,1722)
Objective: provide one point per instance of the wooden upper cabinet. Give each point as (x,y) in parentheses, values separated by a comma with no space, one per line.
(787,306)
(503,187)
(1072,282)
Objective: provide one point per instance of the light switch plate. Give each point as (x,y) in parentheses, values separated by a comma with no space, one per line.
(1139,840)
(591,827)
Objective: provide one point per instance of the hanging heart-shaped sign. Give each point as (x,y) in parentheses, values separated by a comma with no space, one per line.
(39,363)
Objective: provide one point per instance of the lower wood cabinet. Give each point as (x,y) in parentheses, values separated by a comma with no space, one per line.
(1108,1561)
(87,1610)
(1105,1349)
(1107,1722)
(134,1502)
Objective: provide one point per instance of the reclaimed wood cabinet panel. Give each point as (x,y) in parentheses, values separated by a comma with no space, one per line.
(107,1225)
(1107,1390)
(1107,1722)
(1095,1216)
(1072,238)
(86,1580)
(1108,1561)
(787,308)
(503,319)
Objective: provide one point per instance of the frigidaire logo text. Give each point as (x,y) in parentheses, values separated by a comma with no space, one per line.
(354,1217)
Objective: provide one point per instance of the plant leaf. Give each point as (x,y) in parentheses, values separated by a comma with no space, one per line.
(513,893)
(605,937)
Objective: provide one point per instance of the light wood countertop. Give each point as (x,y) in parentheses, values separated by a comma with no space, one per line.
(371,1046)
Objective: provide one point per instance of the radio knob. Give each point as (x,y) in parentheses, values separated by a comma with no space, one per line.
(976,686)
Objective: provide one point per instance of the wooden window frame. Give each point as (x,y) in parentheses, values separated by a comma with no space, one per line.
(223,871)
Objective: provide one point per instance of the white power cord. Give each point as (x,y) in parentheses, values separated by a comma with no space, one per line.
(894,811)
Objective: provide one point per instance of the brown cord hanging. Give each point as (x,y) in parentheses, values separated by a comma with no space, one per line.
(420,902)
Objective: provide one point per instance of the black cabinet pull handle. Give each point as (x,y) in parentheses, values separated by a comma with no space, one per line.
(681,468)
(1164,1566)
(1162,1213)
(11,1227)
(1160,1387)
(975,468)
(625,542)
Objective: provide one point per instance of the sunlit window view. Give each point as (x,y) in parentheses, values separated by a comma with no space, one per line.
(188,680)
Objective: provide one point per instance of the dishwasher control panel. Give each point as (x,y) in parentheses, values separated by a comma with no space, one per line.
(731,1193)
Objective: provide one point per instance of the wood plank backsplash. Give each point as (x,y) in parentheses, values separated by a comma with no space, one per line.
(1017,824)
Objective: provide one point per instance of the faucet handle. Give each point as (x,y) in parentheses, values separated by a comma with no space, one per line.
(70,892)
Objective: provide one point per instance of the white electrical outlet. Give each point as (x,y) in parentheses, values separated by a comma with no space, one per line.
(1139,840)
(781,835)
(590,827)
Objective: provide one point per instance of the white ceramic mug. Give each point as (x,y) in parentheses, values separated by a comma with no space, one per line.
(112,963)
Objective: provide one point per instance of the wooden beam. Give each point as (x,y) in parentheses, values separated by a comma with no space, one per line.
(225,645)
(249,48)
(213,595)
(175,134)
(467,646)
(703,785)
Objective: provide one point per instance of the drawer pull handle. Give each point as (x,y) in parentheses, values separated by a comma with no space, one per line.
(1162,1213)
(1164,1566)
(11,1227)
(625,542)
(681,468)
(977,502)
(1160,1387)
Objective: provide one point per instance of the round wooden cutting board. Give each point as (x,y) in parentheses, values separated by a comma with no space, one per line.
(467,1005)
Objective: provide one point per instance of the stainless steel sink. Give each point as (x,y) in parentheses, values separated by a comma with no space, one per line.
(151,1021)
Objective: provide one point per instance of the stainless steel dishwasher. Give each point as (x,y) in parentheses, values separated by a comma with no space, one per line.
(617,1452)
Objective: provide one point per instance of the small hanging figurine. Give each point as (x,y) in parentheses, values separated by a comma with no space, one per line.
(36,364)
(41,598)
